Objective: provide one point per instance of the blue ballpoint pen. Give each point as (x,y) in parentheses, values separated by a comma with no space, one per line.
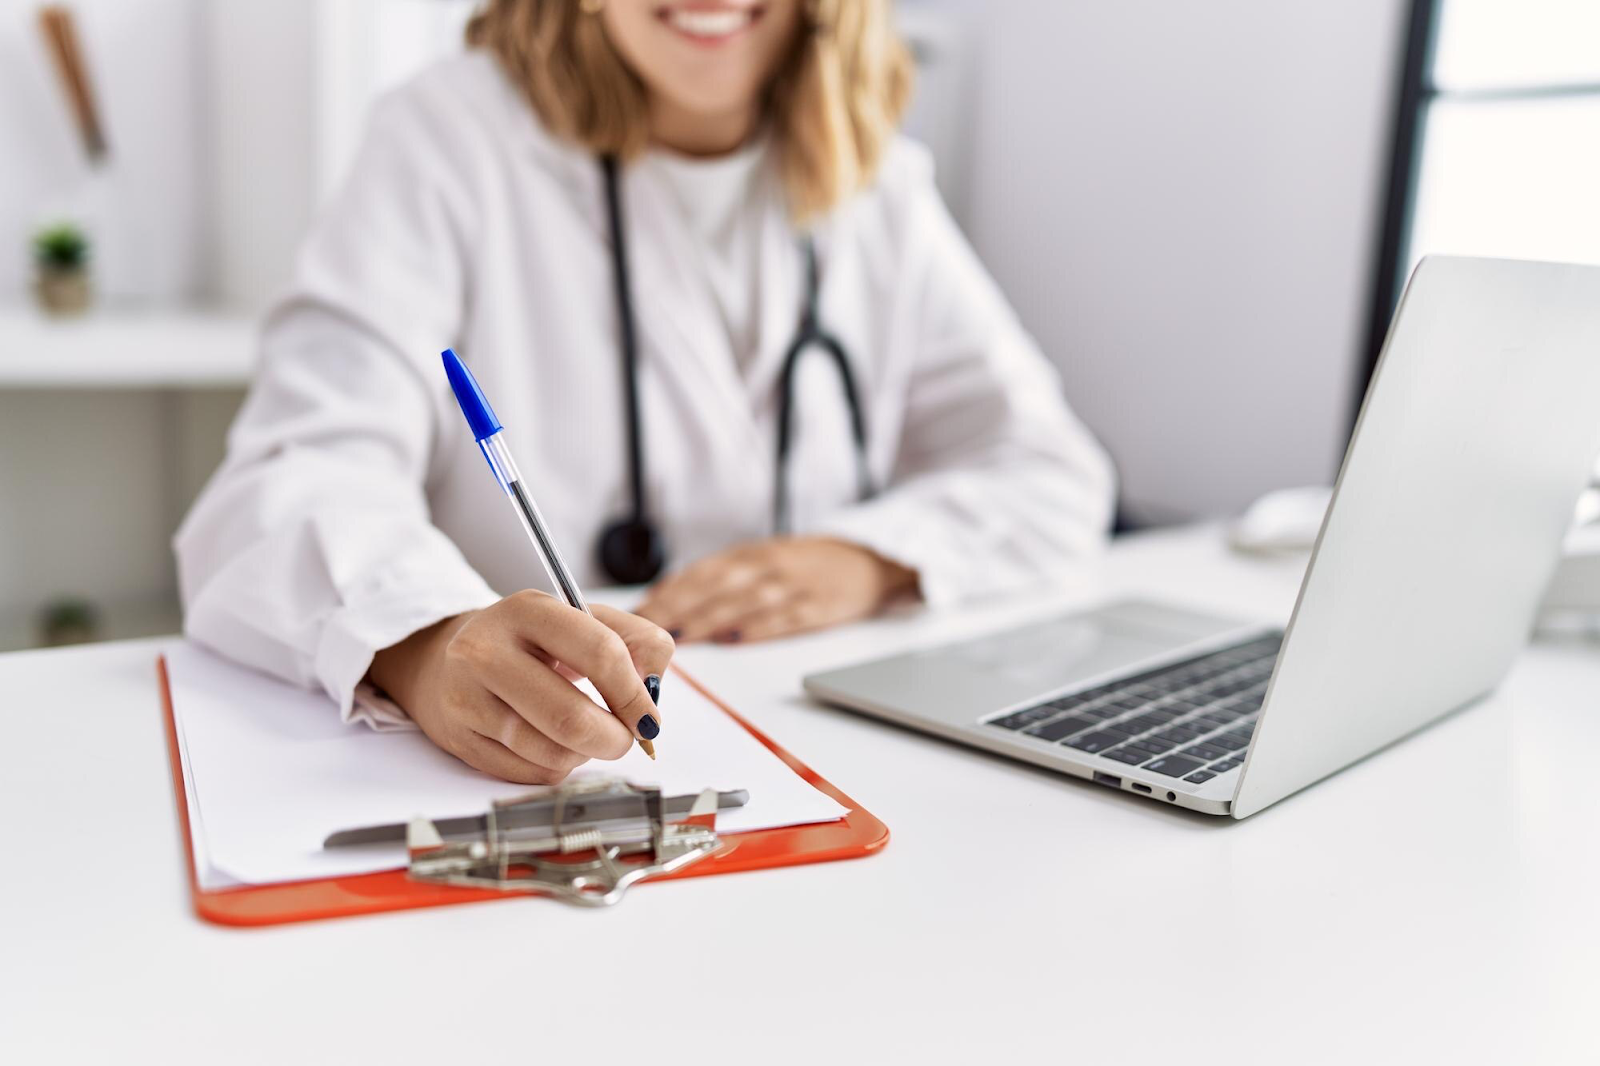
(490,435)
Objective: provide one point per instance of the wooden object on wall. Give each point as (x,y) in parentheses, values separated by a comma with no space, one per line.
(61,41)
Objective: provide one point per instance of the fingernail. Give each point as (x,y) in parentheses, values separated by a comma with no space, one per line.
(731,636)
(652,685)
(649,728)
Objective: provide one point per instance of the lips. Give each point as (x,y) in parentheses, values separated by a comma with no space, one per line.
(710,23)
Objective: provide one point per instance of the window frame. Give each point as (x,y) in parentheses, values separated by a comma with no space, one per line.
(1415,91)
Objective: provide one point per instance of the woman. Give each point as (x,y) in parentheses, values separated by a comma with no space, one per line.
(700,175)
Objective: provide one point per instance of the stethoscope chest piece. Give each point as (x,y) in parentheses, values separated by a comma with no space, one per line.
(633,551)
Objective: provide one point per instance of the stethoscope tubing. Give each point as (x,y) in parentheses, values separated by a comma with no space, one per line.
(808,334)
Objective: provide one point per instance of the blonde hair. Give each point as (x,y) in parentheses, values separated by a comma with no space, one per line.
(834,102)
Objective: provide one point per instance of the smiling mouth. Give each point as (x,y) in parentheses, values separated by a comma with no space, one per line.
(710,23)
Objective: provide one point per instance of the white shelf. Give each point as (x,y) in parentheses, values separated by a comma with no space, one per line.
(126,348)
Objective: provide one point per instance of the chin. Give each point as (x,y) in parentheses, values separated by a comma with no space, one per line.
(721,98)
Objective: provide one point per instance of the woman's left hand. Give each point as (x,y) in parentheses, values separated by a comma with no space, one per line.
(770,588)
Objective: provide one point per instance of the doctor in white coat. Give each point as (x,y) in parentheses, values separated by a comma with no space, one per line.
(659,231)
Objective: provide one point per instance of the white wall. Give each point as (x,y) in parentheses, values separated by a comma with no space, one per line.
(87,525)
(365,48)
(256,62)
(1181,200)
(139,205)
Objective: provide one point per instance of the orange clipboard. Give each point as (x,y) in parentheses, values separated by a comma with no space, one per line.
(857,834)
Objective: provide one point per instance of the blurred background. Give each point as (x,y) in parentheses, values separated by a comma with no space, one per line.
(1203,212)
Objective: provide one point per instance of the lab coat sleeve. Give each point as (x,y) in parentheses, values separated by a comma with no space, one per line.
(311,548)
(995,484)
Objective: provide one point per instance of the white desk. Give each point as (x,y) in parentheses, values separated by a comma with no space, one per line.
(1436,903)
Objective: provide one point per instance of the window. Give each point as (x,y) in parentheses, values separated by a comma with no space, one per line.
(1497,141)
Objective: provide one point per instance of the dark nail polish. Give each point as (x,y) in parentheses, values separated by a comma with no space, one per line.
(674,633)
(652,685)
(649,728)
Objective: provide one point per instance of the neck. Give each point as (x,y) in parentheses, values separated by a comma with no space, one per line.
(699,134)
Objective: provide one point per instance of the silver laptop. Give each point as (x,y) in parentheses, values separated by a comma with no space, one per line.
(1477,434)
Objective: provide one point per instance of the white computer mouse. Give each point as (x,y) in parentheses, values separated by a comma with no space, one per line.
(1285,520)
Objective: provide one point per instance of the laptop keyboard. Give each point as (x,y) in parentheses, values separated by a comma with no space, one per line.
(1191,719)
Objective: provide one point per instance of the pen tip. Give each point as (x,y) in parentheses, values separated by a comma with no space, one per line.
(648,748)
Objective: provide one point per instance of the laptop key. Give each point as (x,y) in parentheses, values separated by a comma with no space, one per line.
(1227,764)
(1093,742)
(1014,720)
(1174,765)
(1226,741)
(1204,752)
(1199,776)
(1105,710)
(1061,727)
(1154,747)
(1127,755)
(1179,734)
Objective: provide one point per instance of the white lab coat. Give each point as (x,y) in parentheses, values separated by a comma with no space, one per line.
(354,508)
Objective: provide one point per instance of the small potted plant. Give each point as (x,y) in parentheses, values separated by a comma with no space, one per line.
(61,262)
(68,621)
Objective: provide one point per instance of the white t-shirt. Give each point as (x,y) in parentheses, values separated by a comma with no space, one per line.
(724,201)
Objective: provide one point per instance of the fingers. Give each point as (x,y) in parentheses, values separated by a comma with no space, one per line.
(677,600)
(598,652)
(797,616)
(724,616)
(476,712)
(492,757)
(549,704)
(527,741)
(651,651)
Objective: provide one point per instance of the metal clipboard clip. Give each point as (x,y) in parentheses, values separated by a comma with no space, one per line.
(585,842)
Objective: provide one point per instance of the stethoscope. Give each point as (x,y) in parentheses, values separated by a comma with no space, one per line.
(632,549)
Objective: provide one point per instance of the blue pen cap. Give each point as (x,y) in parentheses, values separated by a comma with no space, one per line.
(474,404)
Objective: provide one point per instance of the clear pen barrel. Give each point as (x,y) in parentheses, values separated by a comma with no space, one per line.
(500,461)
(510,478)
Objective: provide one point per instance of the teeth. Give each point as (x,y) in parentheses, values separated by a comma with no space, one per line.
(709,23)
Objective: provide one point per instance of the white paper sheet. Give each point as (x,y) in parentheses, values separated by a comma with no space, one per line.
(271,771)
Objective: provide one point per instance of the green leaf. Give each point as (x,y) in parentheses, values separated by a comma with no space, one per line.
(62,246)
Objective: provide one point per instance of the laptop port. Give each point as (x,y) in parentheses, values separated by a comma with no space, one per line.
(1140,788)
(1108,779)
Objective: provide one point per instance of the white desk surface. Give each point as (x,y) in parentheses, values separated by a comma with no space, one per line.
(1436,903)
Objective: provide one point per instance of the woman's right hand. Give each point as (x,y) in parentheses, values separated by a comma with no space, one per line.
(495,687)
